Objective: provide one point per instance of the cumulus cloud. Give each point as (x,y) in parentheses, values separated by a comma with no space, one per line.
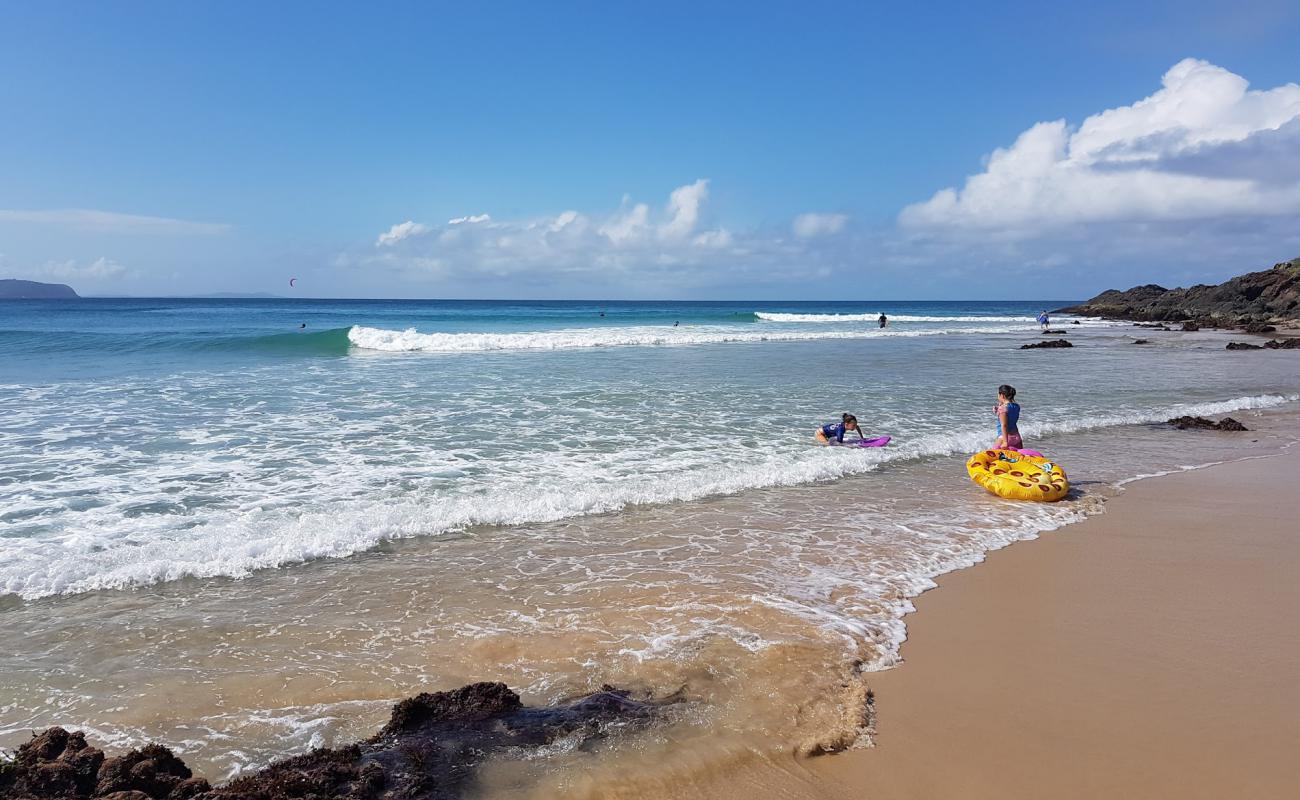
(635,243)
(112,222)
(403,230)
(1193,150)
(806,226)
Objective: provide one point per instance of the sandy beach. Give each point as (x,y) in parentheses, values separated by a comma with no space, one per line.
(1148,652)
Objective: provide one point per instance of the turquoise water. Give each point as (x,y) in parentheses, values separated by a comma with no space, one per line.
(245,538)
(152,439)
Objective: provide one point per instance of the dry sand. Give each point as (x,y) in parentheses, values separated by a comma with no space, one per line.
(1150,652)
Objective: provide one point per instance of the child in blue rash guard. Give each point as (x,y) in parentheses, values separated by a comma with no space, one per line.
(835,430)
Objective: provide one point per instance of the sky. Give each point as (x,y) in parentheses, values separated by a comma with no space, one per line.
(672,150)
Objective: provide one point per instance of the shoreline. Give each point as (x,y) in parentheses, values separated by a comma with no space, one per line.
(859,772)
(1148,653)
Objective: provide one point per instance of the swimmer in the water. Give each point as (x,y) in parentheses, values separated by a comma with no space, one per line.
(835,430)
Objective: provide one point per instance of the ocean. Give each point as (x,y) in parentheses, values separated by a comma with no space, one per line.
(245,527)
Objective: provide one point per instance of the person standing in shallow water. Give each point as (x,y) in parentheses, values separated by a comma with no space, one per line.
(1008,413)
(883,320)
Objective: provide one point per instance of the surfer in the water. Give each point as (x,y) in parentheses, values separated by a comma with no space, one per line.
(883,320)
(836,430)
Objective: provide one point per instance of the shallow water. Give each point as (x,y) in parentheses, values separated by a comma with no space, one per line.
(245,549)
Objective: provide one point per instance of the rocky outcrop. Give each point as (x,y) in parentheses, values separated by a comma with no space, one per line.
(429,750)
(1046,343)
(1203,424)
(1254,298)
(12,289)
(1275,344)
(1141,341)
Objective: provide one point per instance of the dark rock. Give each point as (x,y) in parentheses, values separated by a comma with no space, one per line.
(1203,424)
(1076,322)
(1051,331)
(1141,341)
(1275,344)
(1046,343)
(1258,327)
(429,750)
(1191,326)
(1251,298)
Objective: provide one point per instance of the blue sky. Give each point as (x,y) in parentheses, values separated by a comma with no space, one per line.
(173,148)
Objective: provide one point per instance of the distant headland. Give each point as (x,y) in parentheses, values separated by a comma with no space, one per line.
(1271,295)
(13,289)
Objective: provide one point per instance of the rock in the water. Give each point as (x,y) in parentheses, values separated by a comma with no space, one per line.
(1258,327)
(1191,326)
(1141,341)
(1052,331)
(1201,423)
(1046,343)
(1075,322)
(1275,344)
(429,750)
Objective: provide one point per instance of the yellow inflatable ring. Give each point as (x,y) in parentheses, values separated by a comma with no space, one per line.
(1017,476)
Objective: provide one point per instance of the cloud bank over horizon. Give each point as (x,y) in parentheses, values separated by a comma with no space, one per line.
(634,245)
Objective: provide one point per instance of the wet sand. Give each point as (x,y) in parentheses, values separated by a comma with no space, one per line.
(1152,651)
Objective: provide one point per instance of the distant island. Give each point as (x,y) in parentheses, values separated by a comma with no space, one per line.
(13,289)
(1271,295)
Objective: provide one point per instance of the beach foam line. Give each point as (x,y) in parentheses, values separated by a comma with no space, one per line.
(236,543)
(777,316)
(411,340)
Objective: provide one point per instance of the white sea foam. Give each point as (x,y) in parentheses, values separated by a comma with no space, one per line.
(411,340)
(119,550)
(778,316)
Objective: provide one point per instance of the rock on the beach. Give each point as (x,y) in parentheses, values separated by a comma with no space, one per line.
(1258,327)
(1191,326)
(1201,423)
(1047,343)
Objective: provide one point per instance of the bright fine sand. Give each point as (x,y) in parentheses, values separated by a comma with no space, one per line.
(1152,651)
(1149,652)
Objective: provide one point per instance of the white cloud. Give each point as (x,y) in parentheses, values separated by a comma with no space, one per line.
(806,226)
(112,222)
(684,209)
(1180,154)
(71,270)
(402,230)
(634,245)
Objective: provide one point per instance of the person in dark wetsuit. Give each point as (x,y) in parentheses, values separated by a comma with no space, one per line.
(883,320)
(835,430)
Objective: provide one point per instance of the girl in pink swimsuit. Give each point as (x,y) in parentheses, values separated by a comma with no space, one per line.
(1008,412)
